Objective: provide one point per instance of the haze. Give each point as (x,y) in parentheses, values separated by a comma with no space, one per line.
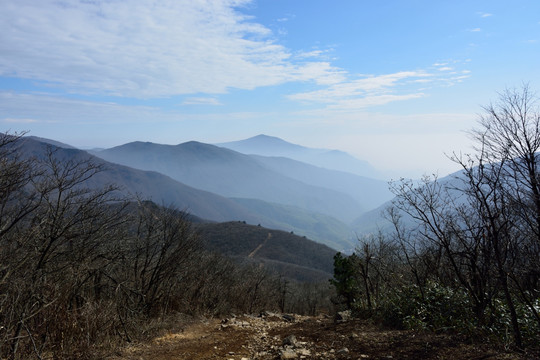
(397,83)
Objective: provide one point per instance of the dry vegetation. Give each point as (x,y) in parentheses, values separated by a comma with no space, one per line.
(84,272)
(464,254)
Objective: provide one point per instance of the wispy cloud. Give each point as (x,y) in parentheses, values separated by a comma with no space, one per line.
(475,30)
(484,14)
(371,100)
(21,121)
(146,49)
(310,54)
(41,108)
(201,101)
(363,92)
(286,18)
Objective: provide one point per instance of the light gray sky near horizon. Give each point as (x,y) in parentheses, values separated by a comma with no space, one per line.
(396,83)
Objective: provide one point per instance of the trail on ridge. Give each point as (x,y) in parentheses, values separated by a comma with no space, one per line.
(276,336)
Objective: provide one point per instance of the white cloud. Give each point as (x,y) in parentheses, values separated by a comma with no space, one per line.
(310,54)
(42,108)
(145,48)
(371,100)
(485,15)
(21,121)
(323,73)
(475,30)
(201,101)
(366,91)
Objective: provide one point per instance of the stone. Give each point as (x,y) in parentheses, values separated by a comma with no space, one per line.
(343,351)
(289,340)
(288,318)
(342,316)
(288,354)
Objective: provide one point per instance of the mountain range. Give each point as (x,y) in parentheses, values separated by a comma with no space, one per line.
(331,159)
(231,174)
(220,184)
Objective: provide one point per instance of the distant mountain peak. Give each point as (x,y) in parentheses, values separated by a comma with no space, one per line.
(263,145)
(266,137)
(266,145)
(193,143)
(267,140)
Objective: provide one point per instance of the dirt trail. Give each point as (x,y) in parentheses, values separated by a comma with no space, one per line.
(279,337)
(252,254)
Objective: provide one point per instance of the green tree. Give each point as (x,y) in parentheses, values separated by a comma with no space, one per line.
(346,279)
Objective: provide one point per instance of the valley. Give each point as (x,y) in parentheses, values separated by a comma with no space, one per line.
(283,193)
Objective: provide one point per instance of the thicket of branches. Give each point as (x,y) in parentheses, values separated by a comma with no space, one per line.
(465,253)
(82,269)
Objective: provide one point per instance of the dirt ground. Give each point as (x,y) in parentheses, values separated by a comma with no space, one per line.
(274,336)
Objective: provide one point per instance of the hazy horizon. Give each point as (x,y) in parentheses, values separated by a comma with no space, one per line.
(396,84)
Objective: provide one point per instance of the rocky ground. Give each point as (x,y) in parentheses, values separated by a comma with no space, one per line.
(277,336)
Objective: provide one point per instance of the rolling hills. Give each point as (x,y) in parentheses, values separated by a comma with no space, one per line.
(231,174)
(164,190)
(294,256)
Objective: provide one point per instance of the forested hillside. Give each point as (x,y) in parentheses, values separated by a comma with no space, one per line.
(291,255)
(85,268)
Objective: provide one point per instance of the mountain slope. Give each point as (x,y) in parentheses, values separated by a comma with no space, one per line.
(366,191)
(163,190)
(149,185)
(374,220)
(315,226)
(331,159)
(231,174)
(297,257)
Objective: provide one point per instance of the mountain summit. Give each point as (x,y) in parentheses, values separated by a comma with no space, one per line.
(232,174)
(266,145)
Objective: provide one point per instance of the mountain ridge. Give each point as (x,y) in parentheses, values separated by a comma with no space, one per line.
(161,189)
(231,174)
(266,145)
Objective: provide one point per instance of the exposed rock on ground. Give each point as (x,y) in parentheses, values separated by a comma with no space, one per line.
(273,336)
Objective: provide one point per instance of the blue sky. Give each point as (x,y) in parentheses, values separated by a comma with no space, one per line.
(396,83)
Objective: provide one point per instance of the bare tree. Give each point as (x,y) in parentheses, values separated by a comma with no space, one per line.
(53,243)
(486,221)
(162,247)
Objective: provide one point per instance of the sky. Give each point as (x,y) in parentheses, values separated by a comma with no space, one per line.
(396,83)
